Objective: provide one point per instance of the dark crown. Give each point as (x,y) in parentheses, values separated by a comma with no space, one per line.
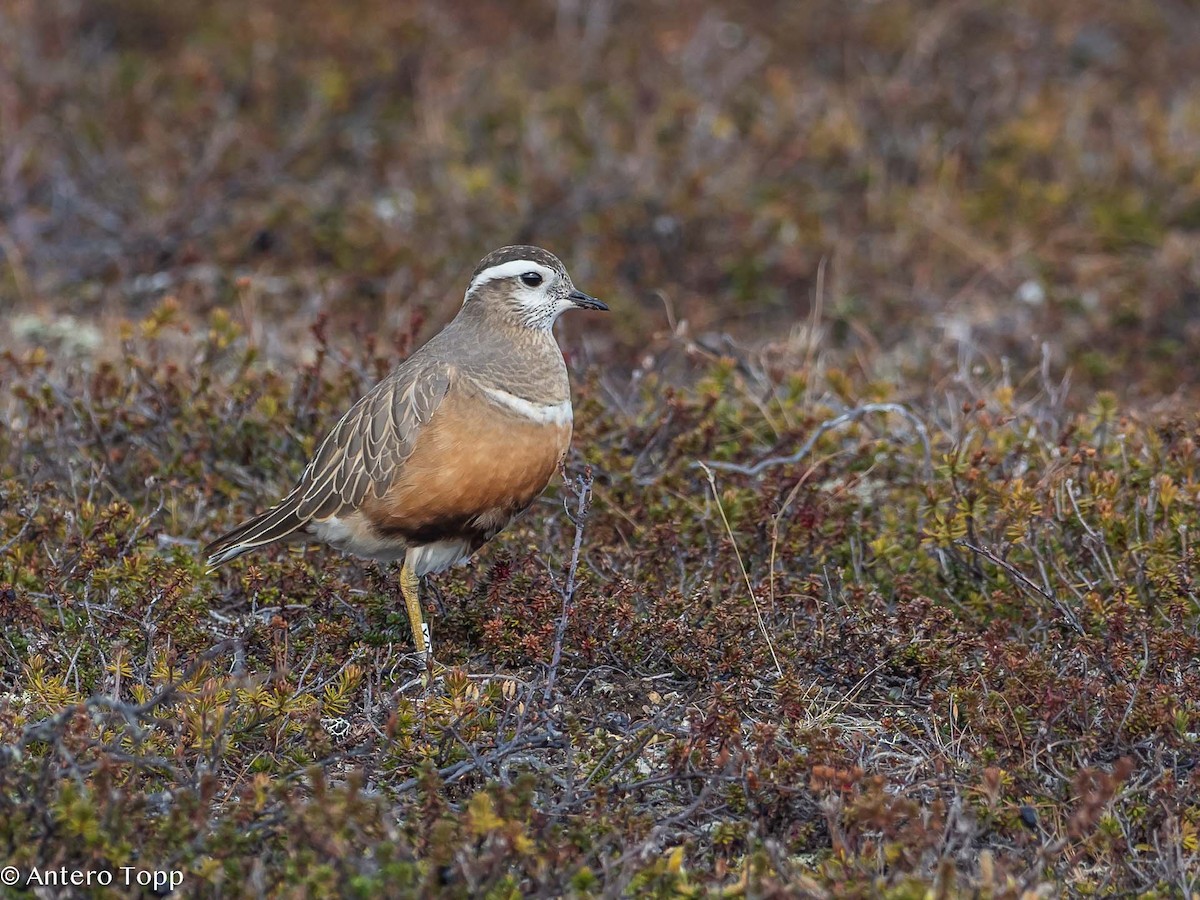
(515,252)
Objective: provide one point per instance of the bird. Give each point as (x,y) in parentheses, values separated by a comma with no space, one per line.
(451,446)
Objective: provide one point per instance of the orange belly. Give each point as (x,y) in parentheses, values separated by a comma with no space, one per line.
(472,469)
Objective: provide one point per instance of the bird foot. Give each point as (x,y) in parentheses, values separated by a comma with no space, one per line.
(430,673)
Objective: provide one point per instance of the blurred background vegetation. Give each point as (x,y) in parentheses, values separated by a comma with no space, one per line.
(989,176)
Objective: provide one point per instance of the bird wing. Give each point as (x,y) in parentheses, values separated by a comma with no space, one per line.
(363,452)
(370,443)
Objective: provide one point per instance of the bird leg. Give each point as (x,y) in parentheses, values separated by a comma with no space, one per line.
(410,587)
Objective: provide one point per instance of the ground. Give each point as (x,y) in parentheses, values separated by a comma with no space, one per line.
(871,571)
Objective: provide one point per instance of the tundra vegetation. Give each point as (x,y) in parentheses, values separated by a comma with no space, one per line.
(871,571)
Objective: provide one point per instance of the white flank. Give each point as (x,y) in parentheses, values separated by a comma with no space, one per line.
(437,556)
(543,414)
(354,535)
(332,531)
(508,270)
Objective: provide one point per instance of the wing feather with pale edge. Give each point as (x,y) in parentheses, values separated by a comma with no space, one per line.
(362,453)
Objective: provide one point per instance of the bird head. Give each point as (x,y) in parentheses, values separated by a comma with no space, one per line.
(526,285)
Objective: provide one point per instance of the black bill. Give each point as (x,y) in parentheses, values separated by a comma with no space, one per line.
(579,298)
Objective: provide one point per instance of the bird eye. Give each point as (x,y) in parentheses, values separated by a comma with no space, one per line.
(532,279)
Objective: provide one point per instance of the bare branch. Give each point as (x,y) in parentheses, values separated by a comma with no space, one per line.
(850,415)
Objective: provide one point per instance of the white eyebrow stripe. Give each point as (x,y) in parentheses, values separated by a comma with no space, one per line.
(543,414)
(509,269)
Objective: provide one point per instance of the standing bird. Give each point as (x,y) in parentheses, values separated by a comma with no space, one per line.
(457,441)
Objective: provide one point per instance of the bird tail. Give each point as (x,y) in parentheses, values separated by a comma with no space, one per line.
(278,523)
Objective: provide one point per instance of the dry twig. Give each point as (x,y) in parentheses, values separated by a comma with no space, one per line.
(850,415)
